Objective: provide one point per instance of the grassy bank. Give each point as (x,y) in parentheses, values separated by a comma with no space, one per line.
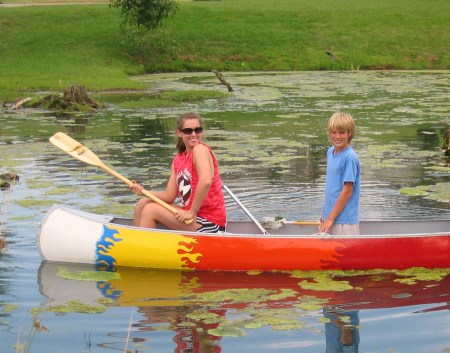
(51,47)
(296,34)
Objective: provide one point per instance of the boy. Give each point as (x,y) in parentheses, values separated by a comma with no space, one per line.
(340,215)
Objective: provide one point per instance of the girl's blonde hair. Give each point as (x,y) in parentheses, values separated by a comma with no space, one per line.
(342,122)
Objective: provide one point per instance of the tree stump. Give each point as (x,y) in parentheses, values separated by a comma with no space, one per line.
(78,95)
(74,98)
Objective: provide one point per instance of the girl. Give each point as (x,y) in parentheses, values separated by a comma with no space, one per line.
(195,179)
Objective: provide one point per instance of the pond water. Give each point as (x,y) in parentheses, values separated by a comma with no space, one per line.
(270,138)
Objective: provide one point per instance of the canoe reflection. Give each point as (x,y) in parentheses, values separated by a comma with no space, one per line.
(202,307)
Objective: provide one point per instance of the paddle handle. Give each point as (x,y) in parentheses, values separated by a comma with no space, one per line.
(304,223)
(144,192)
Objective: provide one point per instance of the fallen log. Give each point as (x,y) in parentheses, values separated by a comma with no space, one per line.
(223,81)
(20,102)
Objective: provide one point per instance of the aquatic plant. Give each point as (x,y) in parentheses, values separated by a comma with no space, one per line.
(415,274)
(95,276)
(23,347)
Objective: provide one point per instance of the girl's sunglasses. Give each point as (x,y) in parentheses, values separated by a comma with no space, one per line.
(189,130)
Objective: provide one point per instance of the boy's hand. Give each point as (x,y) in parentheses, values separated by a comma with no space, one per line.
(325,226)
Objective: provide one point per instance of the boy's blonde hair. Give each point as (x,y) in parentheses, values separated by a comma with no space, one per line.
(342,122)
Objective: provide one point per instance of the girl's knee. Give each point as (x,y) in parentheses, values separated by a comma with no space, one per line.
(142,202)
(150,208)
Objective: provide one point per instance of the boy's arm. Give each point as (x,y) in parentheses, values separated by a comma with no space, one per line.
(342,200)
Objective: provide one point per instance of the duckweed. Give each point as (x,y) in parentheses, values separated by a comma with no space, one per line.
(76,306)
(32,202)
(326,284)
(417,191)
(7,308)
(415,274)
(242,295)
(95,276)
(439,192)
(227,331)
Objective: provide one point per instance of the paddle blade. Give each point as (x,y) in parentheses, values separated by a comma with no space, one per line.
(75,149)
(85,155)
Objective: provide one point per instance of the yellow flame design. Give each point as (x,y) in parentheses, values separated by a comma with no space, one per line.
(149,248)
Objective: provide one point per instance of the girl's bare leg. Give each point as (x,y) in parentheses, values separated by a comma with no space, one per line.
(138,210)
(152,213)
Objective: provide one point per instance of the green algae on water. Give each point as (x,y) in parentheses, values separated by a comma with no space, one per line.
(7,308)
(414,191)
(254,272)
(76,306)
(61,191)
(227,331)
(32,202)
(241,295)
(325,283)
(326,286)
(94,276)
(415,274)
(439,192)
(203,315)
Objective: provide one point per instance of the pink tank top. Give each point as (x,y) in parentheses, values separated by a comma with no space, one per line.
(213,207)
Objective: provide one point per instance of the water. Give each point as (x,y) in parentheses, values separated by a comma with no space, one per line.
(270,130)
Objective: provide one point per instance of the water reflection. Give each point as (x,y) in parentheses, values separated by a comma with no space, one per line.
(73,122)
(341,330)
(199,309)
(270,139)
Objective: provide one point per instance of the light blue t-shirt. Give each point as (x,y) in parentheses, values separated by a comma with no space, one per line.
(342,167)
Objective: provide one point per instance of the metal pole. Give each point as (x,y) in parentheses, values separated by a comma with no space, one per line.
(245,210)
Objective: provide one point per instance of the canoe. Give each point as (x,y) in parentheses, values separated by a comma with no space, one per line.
(75,236)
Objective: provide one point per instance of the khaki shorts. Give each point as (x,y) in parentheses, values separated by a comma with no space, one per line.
(344,229)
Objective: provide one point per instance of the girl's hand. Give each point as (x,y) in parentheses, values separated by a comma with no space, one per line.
(136,188)
(183,215)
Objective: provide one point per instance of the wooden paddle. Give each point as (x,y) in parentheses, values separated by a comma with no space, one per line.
(85,155)
(303,223)
(278,222)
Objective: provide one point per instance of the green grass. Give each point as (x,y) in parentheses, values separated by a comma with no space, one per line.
(52,47)
(294,35)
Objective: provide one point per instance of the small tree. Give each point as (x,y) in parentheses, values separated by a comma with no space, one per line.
(144,13)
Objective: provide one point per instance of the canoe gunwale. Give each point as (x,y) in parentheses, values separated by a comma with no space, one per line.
(109,220)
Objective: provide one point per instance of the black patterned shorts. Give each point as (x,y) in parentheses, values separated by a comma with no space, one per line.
(208,227)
